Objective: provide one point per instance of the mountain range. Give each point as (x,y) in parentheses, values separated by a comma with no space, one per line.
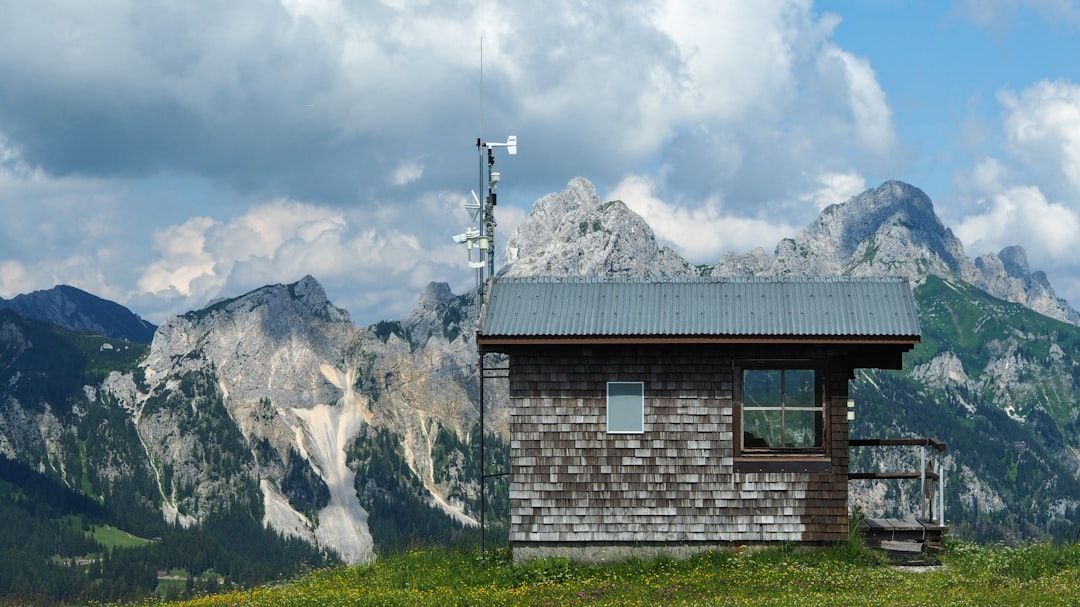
(352,439)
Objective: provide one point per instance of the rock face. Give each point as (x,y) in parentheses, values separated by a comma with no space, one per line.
(290,374)
(1007,276)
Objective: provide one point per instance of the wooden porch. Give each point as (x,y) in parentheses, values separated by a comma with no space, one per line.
(902,535)
(910,535)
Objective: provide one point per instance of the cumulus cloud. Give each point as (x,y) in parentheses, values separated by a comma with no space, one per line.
(1042,130)
(318,100)
(1023,214)
(203,124)
(353,253)
(1029,194)
(58,231)
(407,172)
(701,232)
(871,117)
(14,278)
(836,188)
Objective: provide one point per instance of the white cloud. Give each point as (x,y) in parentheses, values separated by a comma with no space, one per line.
(999,16)
(731,111)
(836,188)
(989,175)
(1050,231)
(407,172)
(57,230)
(702,232)
(873,126)
(1030,194)
(359,256)
(1042,130)
(184,258)
(15,279)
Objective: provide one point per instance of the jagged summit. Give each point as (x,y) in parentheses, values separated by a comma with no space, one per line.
(884,227)
(862,216)
(890,230)
(435,295)
(572,233)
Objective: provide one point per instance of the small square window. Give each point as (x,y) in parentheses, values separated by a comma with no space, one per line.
(625,407)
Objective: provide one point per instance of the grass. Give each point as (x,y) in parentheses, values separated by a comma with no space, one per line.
(1037,574)
(111,537)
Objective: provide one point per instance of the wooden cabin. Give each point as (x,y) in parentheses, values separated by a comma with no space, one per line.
(671,416)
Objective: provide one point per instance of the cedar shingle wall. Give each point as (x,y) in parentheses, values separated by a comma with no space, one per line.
(572,482)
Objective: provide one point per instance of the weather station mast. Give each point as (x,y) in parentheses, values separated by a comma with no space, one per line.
(480,238)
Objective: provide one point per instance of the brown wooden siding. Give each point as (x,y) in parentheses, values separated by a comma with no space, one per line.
(571,482)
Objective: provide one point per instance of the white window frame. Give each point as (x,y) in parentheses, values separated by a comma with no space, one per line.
(624,405)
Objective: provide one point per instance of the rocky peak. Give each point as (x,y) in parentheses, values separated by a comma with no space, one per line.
(890,230)
(247,337)
(435,295)
(1015,262)
(893,230)
(849,224)
(310,296)
(572,233)
(440,312)
(1008,276)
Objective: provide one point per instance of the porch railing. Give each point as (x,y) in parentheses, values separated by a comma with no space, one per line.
(931,471)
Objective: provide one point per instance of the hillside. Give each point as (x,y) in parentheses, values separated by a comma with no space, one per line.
(997,382)
(75,309)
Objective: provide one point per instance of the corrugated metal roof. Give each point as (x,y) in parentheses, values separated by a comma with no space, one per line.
(579,307)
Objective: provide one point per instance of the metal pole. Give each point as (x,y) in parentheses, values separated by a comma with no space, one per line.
(941,492)
(483,474)
(922,485)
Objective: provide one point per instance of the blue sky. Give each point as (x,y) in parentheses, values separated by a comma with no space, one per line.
(163,155)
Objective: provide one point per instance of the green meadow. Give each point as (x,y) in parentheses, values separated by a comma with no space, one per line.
(787,576)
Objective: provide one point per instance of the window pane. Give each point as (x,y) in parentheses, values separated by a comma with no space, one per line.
(626,407)
(799,388)
(802,429)
(782,409)
(761,429)
(761,388)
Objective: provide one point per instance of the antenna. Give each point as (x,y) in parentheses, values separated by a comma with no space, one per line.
(481,238)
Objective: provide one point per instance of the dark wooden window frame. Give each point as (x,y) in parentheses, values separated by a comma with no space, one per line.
(812,460)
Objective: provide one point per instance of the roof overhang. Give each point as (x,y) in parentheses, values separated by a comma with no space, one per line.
(492,343)
(862,352)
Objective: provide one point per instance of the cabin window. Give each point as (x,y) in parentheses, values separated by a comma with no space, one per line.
(625,407)
(783,411)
